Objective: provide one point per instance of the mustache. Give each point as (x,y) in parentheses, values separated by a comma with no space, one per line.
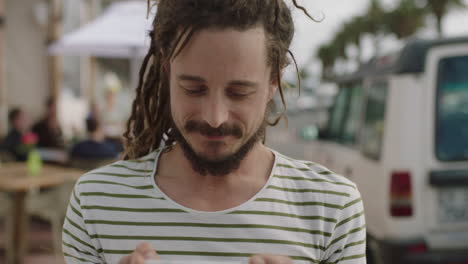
(207,130)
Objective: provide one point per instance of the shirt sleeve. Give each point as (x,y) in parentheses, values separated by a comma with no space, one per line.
(77,245)
(348,241)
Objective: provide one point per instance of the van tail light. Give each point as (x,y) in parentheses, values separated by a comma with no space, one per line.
(417,248)
(401,193)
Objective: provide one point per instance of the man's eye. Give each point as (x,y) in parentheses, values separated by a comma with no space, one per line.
(238,95)
(194,90)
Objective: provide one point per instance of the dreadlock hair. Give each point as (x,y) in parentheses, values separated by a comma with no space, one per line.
(175,22)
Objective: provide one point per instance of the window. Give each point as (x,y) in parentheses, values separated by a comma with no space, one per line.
(346,113)
(452,109)
(338,113)
(352,121)
(374,115)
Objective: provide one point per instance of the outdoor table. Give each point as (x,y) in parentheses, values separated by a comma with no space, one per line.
(15,180)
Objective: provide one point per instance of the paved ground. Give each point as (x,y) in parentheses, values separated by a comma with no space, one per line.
(284,138)
(40,244)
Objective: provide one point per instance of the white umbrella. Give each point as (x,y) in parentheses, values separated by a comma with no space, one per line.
(120,32)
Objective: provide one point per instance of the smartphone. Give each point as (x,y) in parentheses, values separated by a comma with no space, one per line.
(198,261)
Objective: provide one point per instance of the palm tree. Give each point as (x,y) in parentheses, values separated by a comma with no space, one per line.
(439,8)
(374,23)
(406,19)
(353,31)
(340,42)
(350,34)
(327,55)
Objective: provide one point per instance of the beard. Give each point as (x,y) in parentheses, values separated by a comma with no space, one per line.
(222,165)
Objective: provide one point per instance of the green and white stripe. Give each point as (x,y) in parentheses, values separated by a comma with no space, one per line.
(305,211)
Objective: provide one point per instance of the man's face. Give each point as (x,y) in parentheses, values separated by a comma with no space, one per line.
(220,86)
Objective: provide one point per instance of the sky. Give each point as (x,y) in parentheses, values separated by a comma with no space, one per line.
(310,35)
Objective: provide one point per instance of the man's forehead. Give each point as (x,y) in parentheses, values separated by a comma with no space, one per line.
(240,52)
(211,35)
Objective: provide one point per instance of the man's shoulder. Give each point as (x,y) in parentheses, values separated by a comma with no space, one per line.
(13,136)
(81,144)
(135,171)
(314,175)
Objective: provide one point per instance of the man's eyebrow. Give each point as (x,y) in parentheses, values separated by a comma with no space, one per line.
(243,83)
(185,77)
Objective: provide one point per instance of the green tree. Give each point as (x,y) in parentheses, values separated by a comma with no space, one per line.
(340,42)
(374,23)
(355,30)
(327,55)
(406,19)
(440,8)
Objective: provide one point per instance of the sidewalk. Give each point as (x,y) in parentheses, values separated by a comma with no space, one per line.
(40,244)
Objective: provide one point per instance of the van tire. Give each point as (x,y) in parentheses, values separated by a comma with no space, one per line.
(373,252)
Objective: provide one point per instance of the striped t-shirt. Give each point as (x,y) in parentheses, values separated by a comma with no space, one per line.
(304,211)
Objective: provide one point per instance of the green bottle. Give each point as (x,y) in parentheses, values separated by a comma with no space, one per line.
(34,163)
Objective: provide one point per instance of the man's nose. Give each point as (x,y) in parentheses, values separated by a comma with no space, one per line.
(215,111)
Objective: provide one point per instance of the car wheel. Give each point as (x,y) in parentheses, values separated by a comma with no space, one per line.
(373,252)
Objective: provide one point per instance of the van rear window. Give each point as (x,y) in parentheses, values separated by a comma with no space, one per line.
(452,109)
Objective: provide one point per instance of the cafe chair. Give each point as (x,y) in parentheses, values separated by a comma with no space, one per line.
(5,213)
(51,205)
(5,206)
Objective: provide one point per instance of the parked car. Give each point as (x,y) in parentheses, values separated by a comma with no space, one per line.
(398,128)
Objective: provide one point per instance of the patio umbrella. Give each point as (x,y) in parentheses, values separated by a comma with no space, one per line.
(120,32)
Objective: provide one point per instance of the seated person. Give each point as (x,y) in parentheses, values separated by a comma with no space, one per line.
(12,143)
(96,146)
(48,128)
(113,116)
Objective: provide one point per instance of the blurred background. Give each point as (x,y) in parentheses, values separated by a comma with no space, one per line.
(69,68)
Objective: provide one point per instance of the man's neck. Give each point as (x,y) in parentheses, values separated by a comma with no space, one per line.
(213,193)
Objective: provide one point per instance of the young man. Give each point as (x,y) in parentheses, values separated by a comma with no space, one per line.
(48,128)
(19,125)
(96,146)
(214,192)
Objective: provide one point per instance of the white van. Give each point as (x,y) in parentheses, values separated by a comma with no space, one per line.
(398,128)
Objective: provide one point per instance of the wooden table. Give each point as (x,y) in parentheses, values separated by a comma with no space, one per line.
(14,180)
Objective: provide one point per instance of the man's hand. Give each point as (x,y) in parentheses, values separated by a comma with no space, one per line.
(270,259)
(144,251)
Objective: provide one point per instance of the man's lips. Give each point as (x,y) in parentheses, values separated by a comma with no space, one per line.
(214,137)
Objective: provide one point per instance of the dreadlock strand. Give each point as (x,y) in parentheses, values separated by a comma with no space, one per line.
(303,10)
(140,123)
(129,134)
(277,11)
(297,70)
(148,88)
(280,88)
(156,108)
(176,43)
(149,98)
(143,67)
(185,41)
(164,110)
(157,96)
